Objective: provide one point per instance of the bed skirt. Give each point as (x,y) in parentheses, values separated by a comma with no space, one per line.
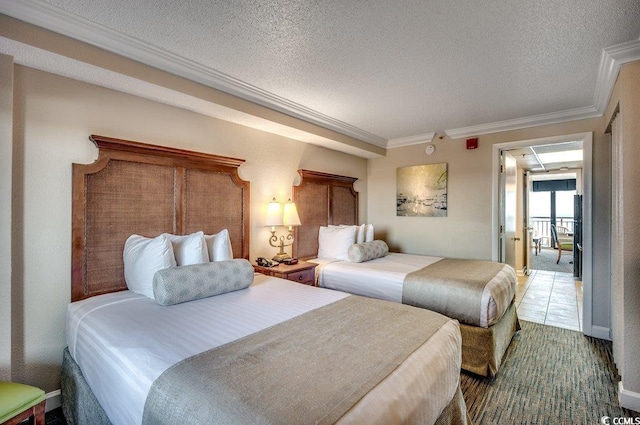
(483,348)
(80,406)
(456,411)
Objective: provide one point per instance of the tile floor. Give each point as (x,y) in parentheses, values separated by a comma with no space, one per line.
(550,298)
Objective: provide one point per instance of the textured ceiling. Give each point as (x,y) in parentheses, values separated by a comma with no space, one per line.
(391,69)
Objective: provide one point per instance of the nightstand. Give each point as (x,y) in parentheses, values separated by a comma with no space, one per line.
(302,272)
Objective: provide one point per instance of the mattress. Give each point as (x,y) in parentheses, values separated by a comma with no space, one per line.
(383,278)
(122,342)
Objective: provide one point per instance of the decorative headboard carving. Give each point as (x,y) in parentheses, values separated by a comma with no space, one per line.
(138,188)
(321,199)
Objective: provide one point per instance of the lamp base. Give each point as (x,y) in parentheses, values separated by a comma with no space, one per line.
(281,256)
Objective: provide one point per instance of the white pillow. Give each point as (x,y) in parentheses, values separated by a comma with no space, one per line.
(368,233)
(189,249)
(143,257)
(219,246)
(360,235)
(334,242)
(360,231)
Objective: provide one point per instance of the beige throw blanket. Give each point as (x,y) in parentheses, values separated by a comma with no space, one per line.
(452,287)
(310,369)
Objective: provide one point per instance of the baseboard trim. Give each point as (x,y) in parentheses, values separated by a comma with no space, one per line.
(628,399)
(600,332)
(54,400)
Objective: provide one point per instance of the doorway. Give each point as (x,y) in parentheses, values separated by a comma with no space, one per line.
(552,291)
(555,201)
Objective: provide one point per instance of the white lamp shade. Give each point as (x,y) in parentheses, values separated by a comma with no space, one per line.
(290,216)
(274,214)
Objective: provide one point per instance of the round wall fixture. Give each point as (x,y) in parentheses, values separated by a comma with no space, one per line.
(429,149)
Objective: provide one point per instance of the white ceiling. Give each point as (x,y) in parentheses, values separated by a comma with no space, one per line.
(388,73)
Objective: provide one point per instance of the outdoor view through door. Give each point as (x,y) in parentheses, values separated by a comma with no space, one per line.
(552,203)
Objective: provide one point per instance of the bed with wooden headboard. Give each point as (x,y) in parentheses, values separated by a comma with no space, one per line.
(137,188)
(322,199)
(328,199)
(124,347)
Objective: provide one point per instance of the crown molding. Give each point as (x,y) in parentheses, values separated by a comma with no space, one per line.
(60,21)
(411,140)
(520,123)
(611,61)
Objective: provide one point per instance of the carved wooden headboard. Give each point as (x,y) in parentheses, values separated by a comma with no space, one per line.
(321,199)
(137,188)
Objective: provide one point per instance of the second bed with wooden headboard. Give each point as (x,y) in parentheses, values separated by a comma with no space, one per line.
(214,342)
(480,294)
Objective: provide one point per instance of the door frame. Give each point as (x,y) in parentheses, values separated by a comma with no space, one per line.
(587,253)
(526,222)
(509,237)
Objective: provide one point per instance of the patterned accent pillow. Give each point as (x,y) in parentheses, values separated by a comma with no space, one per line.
(359,252)
(181,284)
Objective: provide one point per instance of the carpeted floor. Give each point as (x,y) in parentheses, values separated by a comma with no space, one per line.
(55,417)
(546,260)
(549,376)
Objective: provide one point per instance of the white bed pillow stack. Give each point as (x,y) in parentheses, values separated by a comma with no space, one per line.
(334,240)
(368,233)
(364,232)
(143,257)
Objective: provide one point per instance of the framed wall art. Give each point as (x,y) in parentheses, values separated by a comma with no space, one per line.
(421,191)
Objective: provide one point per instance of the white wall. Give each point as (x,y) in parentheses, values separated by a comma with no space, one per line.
(53,117)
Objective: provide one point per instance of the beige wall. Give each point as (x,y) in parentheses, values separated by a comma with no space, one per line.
(6,130)
(466,231)
(53,117)
(626,96)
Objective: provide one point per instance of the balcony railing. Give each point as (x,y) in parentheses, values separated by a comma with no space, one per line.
(542,227)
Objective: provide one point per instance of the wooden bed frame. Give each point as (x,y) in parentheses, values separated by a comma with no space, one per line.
(321,199)
(324,199)
(138,188)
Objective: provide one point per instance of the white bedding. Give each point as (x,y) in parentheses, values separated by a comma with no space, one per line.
(383,278)
(124,341)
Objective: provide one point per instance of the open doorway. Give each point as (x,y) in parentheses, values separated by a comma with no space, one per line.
(552,172)
(555,203)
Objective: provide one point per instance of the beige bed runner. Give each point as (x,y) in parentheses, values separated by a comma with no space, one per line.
(310,369)
(452,287)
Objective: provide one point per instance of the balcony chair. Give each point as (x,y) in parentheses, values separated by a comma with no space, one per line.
(562,241)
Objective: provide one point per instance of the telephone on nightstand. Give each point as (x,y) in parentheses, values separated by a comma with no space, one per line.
(263,262)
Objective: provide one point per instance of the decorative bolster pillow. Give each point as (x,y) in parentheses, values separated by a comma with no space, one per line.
(359,252)
(187,283)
